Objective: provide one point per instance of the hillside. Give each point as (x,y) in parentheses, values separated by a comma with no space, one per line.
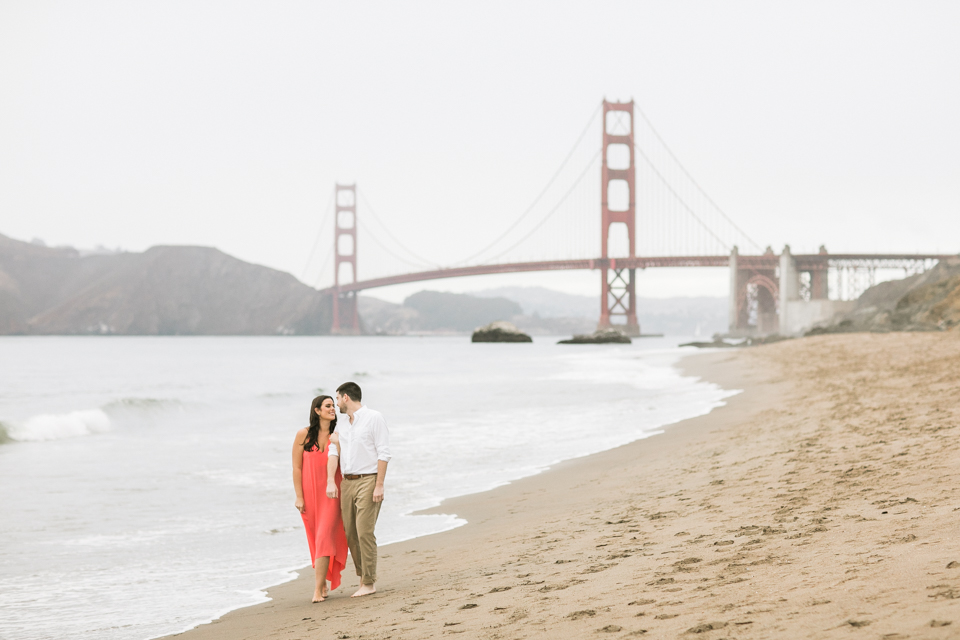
(162,291)
(436,312)
(537,311)
(551,311)
(928,301)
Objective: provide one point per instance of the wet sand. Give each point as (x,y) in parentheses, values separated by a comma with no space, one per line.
(820,503)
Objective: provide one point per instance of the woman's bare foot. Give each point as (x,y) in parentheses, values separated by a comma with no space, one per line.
(365,590)
(320,593)
(320,578)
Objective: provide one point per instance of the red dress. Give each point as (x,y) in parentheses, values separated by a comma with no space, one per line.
(321,516)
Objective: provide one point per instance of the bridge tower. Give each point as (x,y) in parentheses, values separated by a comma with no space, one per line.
(346,320)
(618,297)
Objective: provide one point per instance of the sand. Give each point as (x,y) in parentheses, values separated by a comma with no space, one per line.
(822,502)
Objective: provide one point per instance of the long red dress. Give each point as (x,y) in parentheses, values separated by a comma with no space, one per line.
(321,517)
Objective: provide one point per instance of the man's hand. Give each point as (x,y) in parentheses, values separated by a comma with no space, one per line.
(300,506)
(332,490)
(378,493)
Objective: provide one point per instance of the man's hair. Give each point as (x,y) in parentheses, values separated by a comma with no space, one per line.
(351,389)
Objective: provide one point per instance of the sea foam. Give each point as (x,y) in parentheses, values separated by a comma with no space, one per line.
(52,426)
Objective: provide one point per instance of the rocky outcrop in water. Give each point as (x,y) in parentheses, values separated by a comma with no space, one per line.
(500,332)
(601,336)
(162,291)
(716,343)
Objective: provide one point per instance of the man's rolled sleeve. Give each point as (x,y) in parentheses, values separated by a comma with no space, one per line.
(381,439)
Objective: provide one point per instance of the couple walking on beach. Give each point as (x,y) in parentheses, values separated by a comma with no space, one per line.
(338,473)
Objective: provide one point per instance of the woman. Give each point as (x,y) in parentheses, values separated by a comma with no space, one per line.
(321,515)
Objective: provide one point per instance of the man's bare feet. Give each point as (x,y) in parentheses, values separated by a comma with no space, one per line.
(365,590)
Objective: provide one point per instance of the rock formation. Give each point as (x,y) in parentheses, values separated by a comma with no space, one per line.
(929,301)
(600,336)
(500,332)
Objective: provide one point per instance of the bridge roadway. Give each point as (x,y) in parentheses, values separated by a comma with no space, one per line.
(805,262)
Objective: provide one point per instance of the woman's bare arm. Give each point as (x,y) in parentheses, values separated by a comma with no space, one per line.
(298,469)
(332,461)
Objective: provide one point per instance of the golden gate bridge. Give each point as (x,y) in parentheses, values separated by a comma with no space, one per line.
(680,226)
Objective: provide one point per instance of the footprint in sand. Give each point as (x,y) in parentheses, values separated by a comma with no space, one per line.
(857,624)
(706,626)
(586,613)
(661,581)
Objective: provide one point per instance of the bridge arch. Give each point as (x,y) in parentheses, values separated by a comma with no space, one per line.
(751,301)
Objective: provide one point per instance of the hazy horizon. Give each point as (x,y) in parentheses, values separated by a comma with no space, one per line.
(227,124)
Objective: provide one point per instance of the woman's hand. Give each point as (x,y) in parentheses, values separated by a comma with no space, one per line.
(332,491)
(300,506)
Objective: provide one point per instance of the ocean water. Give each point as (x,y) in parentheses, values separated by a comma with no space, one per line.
(145,483)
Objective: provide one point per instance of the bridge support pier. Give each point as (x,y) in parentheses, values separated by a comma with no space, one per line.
(754,293)
(346,319)
(818,277)
(789,287)
(618,285)
(618,298)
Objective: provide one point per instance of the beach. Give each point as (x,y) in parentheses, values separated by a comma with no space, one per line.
(821,502)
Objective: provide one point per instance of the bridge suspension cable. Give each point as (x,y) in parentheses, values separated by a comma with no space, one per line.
(386,230)
(383,246)
(555,208)
(691,178)
(543,192)
(323,269)
(681,200)
(316,242)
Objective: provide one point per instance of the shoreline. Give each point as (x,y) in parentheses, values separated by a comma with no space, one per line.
(813,504)
(440,509)
(697,364)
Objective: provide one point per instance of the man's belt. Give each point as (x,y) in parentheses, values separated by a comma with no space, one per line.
(357,476)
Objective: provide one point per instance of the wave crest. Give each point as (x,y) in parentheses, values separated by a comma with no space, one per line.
(52,426)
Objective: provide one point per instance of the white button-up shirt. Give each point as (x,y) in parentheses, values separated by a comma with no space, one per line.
(364,442)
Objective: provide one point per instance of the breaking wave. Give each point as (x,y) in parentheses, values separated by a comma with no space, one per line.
(53,426)
(142,404)
(57,426)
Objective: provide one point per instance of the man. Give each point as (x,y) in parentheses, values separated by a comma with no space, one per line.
(364,448)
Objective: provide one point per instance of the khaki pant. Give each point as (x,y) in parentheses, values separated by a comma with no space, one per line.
(359,519)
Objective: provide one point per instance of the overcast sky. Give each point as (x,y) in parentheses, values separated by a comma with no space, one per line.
(131,124)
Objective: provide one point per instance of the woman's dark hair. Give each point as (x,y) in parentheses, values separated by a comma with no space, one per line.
(313,431)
